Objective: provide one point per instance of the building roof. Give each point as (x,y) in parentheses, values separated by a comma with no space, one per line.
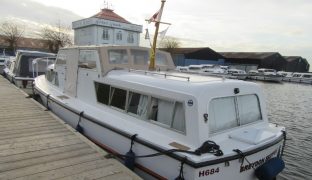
(292,58)
(27,43)
(109,14)
(248,55)
(204,53)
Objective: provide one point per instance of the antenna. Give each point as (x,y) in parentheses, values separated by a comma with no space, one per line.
(107,5)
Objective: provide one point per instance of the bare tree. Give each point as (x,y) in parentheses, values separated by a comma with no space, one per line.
(57,37)
(11,33)
(169,44)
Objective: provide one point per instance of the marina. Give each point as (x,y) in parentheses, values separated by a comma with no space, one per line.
(35,144)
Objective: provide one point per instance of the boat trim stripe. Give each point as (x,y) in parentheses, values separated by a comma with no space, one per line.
(159,149)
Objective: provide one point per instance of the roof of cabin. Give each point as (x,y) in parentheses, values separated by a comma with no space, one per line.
(196,86)
(109,14)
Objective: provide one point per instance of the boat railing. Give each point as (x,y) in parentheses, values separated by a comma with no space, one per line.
(159,73)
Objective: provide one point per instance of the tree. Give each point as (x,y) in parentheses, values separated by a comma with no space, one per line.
(57,37)
(169,44)
(11,33)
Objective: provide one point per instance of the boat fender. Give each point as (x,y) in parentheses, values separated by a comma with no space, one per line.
(47,104)
(209,147)
(79,128)
(270,169)
(130,155)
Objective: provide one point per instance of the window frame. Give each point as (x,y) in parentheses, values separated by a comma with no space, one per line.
(237,115)
(148,108)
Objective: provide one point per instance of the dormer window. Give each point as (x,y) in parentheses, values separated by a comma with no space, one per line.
(119,36)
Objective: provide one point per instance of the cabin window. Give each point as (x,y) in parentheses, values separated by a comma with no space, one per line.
(229,112)
(105,34)
(119,36)
(102,92)
(60,59)
(248,109)
(118,98)
(52,77)
(118,56)
(87,59)
(161,59)
(167,113)
(222,114)
(307,76)
(137,104)
(140,57)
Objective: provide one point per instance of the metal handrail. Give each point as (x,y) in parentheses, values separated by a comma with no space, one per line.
(158,73)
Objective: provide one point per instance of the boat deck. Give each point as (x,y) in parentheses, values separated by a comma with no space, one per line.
(35,144)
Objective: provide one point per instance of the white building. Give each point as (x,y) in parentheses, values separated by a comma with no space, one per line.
(106,27)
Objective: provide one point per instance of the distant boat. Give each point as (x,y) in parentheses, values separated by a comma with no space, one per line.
(300,78)
(21,69)
(264,74)
(237,74)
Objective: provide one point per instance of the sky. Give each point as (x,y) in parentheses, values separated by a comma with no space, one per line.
(283,26)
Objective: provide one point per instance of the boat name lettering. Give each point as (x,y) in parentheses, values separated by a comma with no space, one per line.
(257,163)
(208,172)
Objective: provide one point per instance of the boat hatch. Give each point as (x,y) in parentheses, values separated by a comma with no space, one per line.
(252,135)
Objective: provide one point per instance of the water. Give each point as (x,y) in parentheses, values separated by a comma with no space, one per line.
(290,105)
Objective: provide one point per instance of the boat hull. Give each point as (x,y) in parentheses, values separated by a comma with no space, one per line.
(117,141)
(269,78)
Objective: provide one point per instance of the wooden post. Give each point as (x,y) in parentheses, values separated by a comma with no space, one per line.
(153,50)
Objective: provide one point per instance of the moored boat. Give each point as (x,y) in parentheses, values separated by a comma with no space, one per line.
(21,70)
(173,124)
(300,78)
(269,75)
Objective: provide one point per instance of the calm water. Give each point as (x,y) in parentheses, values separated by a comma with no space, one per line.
(290,105)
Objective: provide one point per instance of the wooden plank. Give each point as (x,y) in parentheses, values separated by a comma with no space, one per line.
(68,171)
(29,170)
(38,142)
(41,152)
(94,174)
(46,159)
(32,133)
(19,131)
(35,137)
(8,152)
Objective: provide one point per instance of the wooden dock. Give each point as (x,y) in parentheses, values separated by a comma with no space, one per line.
(35,144)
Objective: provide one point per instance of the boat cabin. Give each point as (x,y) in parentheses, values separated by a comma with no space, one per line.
(23,63)
(264,71)
(186,107)
(302,75)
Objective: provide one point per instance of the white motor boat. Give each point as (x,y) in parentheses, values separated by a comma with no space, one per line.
(178,125)
(300,78)
(21,69)
(237,74)
(264,74)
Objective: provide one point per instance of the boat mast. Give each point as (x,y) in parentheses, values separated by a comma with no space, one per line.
(153,50)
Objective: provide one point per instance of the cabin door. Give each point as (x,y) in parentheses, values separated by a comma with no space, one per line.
(72,56)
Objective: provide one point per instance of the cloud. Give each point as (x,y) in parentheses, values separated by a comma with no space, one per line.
(36,12)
